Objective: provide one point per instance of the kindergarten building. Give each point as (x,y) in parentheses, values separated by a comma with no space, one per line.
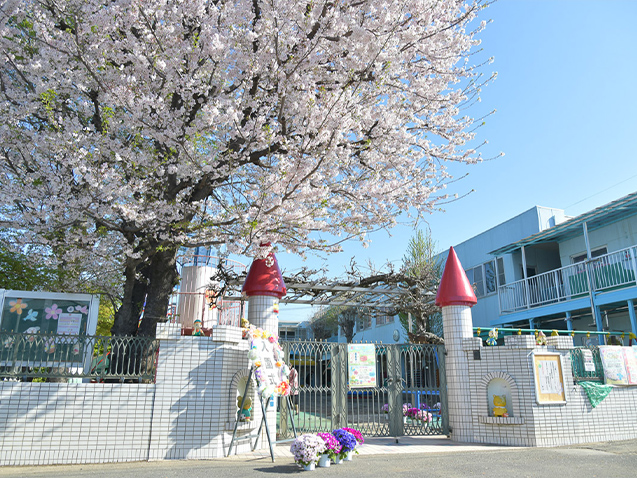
(544,270)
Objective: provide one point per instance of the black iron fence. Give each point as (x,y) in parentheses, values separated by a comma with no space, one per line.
(53,357)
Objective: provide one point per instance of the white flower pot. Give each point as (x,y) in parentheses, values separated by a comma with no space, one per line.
(309,467)
(349,456)
(324,460)
(337,460)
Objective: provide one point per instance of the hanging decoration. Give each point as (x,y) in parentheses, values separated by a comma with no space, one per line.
(271,371)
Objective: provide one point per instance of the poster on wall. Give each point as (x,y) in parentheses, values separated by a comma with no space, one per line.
(549,378)
(589,363)
(614,364)
(630,359)
(361,362)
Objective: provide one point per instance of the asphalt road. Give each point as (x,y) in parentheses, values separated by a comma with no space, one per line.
(604,460)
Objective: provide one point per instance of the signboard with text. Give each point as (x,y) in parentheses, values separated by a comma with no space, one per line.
(549,378)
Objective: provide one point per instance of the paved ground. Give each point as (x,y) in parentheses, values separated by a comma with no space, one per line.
(380,457)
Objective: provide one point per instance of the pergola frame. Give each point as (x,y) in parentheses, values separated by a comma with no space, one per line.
(334,294)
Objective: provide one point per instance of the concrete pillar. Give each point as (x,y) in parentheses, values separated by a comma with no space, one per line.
(456,296)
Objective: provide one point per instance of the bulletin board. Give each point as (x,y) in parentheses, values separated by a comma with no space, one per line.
(56,324)
(549,378)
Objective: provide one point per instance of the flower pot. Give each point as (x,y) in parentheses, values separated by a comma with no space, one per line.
(324,460)
(348,456)
(405,420)
(309,467)
(337,460)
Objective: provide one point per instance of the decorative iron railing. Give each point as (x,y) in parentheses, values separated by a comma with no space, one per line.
(580,374)
(51,357)
(610,271)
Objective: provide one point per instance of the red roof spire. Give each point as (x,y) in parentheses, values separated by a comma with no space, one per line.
(454,288)
(264,277)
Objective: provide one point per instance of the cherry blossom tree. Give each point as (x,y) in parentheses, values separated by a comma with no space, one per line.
(131,128)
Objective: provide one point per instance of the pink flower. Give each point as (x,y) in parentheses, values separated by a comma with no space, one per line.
(53,312)
(82,308)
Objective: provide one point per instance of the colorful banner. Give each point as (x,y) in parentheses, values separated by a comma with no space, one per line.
(614,365)
(630,359)
(361,360)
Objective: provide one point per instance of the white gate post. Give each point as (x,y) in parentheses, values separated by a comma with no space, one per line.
(456,297)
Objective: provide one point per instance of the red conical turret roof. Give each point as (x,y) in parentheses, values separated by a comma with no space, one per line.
(264,277)
(454,288)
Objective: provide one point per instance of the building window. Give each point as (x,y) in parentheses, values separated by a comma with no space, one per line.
(594,253)
(382,318)
(482,278)
(501,276)
(364,322)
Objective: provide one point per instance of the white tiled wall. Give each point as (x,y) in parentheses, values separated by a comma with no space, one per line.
(44,423)
(470,367)
(542,425)
(188,413)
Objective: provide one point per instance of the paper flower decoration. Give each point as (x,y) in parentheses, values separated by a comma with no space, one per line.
(52,312)
(283,388)
(17,306)
(81,308)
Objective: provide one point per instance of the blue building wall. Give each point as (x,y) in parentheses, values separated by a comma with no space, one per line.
(475,251)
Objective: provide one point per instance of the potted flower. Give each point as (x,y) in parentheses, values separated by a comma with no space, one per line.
(358,435)
(332,449)
(347,441)
(419,415)
(385,409)
(406,408)
(306,450)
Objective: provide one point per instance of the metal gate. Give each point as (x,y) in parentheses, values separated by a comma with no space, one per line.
(410,398)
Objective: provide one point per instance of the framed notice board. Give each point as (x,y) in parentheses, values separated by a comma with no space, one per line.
(549,378)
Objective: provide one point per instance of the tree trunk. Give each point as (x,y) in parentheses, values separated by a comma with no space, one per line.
(163,277)
(127,316)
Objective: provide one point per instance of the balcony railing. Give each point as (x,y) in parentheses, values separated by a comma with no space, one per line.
(608,272)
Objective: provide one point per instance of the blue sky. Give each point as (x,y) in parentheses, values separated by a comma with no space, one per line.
(566,120)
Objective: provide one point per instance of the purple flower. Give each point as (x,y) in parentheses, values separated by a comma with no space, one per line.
(332,446)
(306,448)
(346,439)
(358,435)
(385,408)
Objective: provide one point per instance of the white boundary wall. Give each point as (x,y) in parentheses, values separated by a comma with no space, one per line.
(187,413)
(530,423)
